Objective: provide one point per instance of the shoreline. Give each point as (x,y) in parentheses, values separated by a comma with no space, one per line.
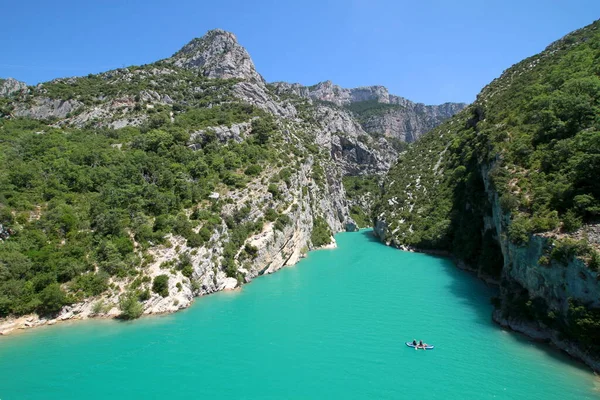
(77,312)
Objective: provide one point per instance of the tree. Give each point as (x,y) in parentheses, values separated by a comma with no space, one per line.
(161,285)
(52,299)
(130,307)
(262,129)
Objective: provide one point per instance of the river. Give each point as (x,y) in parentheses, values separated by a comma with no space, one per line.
(333,326)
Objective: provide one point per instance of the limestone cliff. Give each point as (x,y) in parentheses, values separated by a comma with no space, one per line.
(379,112)
(217,55)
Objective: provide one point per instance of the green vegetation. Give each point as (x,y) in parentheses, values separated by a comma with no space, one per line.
(357,186)
(532,141)
(364,110)
(361,190)
(360,216)
(321,233)
(536,134)
(75,200)
(130,306)
(160,285)
(185,87)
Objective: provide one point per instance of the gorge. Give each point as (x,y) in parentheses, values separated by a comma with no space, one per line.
(132,191)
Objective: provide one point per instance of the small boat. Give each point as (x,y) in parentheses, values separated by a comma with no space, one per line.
(428,347)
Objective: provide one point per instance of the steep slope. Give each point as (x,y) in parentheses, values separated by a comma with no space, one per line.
(378,112)
(509,187)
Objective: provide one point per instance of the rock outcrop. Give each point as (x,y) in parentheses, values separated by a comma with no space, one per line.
(10,86)
(379,112)
(217,55)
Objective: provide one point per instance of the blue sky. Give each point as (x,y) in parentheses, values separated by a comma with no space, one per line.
(430,51)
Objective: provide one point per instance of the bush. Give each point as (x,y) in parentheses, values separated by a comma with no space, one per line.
(282,221)
(161,285)
(195,240)
(274,190)
(253,170)
(321,233)
(565,249)
(52,299)
(271,214)
(130,307)
(509,202)
(519,230)
(251,250)
(144,295)
(570,221)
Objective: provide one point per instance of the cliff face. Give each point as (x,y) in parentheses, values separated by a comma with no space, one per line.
(378,112)
(217,55)
(484,187)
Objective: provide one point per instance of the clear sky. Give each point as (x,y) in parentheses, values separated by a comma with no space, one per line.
(429,51)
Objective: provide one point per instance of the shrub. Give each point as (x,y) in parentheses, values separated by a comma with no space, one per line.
(52,299)
(321,233)
(565,249)
(161,285)
(195,240)
(509,202)
(518,230)
(274,190)
(253,170)
(130,307)
(187,271)
(271,214)
(282,221)
(570,221)
(251,250)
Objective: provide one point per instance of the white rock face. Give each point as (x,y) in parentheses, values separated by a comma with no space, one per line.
(45,108)
(406,122)
(10,86)
(217,55)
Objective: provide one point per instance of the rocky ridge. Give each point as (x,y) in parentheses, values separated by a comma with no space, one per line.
(378,111)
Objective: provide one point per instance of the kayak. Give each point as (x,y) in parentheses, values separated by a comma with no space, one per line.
(428,347)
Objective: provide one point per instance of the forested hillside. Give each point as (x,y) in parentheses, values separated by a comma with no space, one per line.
(510,186)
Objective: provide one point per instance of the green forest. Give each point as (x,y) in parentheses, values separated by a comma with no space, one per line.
(81,205)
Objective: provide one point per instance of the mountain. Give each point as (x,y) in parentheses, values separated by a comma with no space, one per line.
(378,111)
(134,190)
(217,55)
(509,187)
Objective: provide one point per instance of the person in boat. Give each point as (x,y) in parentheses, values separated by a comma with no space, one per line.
(414,342)
(421,345)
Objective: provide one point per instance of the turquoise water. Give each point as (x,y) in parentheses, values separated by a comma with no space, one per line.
(333,326)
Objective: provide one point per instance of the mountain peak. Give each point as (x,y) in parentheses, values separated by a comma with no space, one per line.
(217,54)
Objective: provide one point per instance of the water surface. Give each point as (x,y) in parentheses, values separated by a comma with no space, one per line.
(333,326)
